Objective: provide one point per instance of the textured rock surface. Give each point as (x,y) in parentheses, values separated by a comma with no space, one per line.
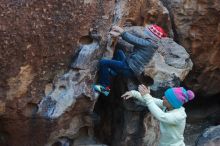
(73,84)
(197,28)
(38,40)
(43,102)
(170,66)
(210,137)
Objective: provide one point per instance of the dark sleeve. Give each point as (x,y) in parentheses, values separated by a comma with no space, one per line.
(132,39)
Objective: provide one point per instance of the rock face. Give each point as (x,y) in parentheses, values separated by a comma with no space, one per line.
(197,26)
(73,84)
(170,66)
(210,137)
(48,63)
(38,40)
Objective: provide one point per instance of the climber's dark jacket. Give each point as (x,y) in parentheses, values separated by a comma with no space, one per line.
(144,50)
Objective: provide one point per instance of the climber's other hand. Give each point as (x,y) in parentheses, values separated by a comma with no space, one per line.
(117,29)
(143,89)
(114,33)
(127,95)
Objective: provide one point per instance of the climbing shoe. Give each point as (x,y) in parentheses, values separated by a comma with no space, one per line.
(102,89)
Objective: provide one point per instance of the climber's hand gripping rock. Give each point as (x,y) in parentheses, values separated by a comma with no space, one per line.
(116,31)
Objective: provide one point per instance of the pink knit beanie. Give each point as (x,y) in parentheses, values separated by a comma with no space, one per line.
(178,96)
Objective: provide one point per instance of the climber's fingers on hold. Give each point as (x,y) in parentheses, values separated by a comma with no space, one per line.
(117,29)
(113,33)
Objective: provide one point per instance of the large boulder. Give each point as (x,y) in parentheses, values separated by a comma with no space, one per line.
(210,137)
(38,40)
(169,66)
(46,100)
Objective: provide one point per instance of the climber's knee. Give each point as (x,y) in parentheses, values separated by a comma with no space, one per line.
(103,62)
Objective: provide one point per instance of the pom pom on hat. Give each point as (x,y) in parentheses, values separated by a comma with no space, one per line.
(190,94)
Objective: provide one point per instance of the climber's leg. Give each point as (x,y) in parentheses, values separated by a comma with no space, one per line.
(120,56)
(105,73)
(105,67)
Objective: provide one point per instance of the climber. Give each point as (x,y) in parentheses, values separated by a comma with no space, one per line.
(132,65)
(168,111)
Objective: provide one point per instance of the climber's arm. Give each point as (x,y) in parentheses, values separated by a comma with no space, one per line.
(138,96)
(132,39)
(170,118)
